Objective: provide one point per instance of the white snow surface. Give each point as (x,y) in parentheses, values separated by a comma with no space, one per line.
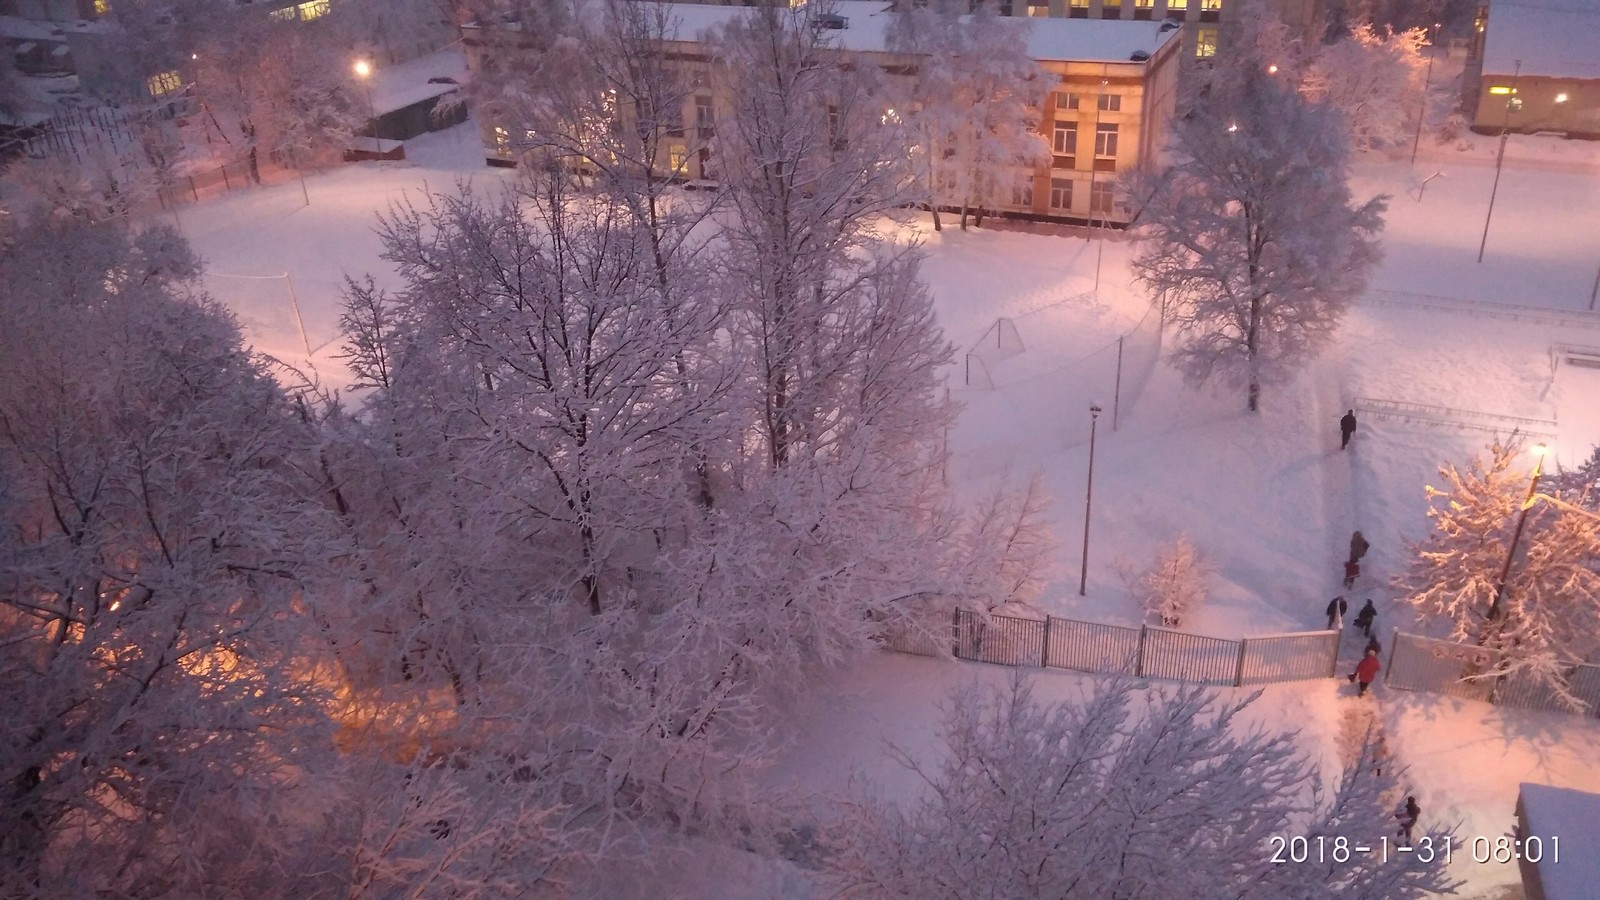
(1558,38)
(1269,499)
(1084,40)
(398,86)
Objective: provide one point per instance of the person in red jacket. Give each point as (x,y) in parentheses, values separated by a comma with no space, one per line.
(1366,671)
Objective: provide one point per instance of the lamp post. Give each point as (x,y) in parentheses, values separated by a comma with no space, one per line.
(1088,502)
(1511,103)
(363,71)
(1539,451)
(1427,80)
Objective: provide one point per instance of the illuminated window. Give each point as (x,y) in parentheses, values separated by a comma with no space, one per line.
(1500,89)
(1061,193)
(316,9)
(1111,102)
(1177,7)
(1205,44)
(1100,197)
(502,142)
(1039,8)
(1142,9)
(677,158)
(1561,98)
(1111,9)
(164,83)
(287,14)
(1022,191)
(1143,4)
(1210,5)
(1078,9)
(102,7)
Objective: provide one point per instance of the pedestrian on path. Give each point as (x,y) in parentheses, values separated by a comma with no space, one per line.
(1352,571)
(1366,617)
(1347,427)
(1408,816)
(1358,547)
(1366,672)
(1373,646)
(1336,610)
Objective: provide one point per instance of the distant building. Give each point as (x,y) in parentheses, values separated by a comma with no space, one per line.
(1554,844)
(1110,107)
(1206,21)
(1534,65)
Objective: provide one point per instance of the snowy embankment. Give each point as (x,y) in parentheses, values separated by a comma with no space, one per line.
(1269,498)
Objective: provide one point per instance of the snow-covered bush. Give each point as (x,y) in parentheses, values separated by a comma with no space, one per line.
(1174,585)
(1120,794)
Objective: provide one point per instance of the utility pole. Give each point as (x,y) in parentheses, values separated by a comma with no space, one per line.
(1427,80)
(1500,158)
(1088,503)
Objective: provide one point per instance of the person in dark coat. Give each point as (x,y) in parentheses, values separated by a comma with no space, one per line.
(1347,427)
(1366,617)
(1366,672)
(1373,646)
(1336,610)
(1408,816)
(1358,547)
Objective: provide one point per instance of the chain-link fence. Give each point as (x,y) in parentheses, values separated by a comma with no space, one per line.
(1145,651)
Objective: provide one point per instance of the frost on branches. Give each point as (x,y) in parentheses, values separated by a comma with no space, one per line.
(1376,79)
(973,107)
(1175,585)
(1119,795)
(1251,237)
(1545,621)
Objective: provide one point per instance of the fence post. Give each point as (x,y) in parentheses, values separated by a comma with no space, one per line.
(1044,652)
(1138,657)
(1394,645)
(955,633)
(194,190)
(226,185)
(1238,678)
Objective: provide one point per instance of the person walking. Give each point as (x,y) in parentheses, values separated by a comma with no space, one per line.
(1366,617)
(1347,427)
(1352,571)
(1366,672)
(1408,816)
(1373,646)
(1336,610)
(1358,547)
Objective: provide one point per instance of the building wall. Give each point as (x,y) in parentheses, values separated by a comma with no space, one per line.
(1206,21)
(1527,104)
(1077,184)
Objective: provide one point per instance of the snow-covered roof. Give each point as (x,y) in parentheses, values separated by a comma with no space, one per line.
(40,30)
(398,86)
(1573,816)
(1077,40)
(1557,38)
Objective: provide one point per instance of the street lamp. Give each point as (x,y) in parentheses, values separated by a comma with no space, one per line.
(1512,102)
(1422,111)
(1088,502)
(1539,451)
(363,70)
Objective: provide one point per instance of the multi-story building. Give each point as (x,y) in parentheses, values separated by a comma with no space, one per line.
(1110,105)
(1534,65)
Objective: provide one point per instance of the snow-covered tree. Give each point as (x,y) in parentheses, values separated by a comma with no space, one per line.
(1250,236)
(1120,796)
(153,555)
(1543,623)
(1375,79)
(272,88)
(973,103)
(1175,585)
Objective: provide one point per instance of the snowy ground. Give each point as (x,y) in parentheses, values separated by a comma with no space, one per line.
(1269,498)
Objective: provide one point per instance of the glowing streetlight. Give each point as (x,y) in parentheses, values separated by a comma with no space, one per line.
(363,70)
(1233,127)
(1272,69)
(1539,452)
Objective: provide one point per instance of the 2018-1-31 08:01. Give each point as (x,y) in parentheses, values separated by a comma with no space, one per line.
(1501,849)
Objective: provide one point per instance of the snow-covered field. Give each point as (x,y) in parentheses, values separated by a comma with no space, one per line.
(1269,498)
